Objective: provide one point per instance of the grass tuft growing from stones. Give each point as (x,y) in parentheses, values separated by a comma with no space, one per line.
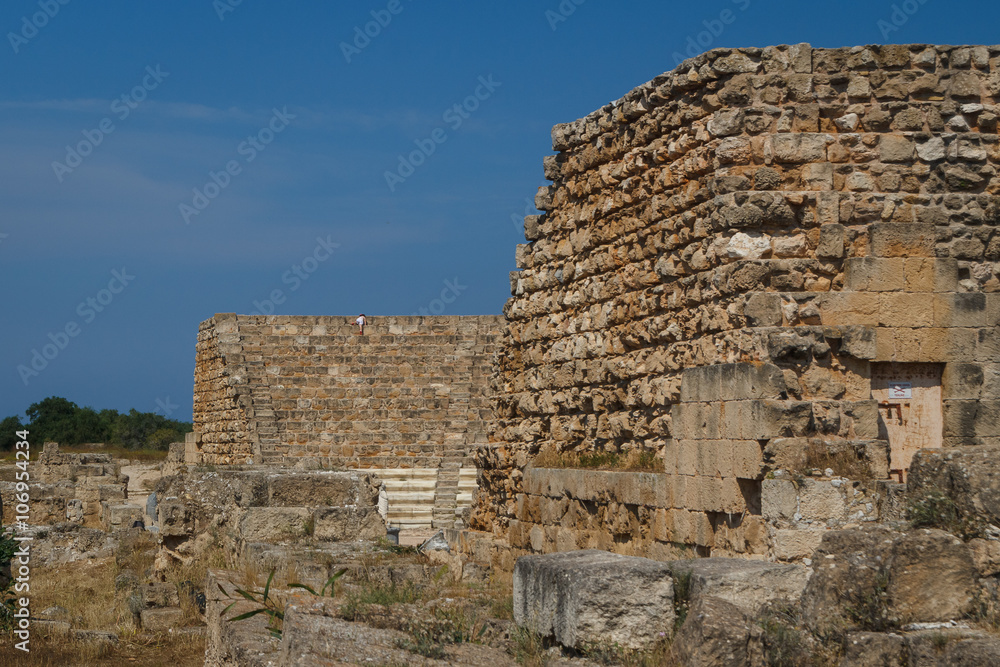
(936,510)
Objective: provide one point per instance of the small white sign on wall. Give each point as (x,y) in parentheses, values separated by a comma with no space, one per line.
(899,389)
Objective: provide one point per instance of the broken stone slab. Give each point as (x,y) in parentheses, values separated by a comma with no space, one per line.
(748,584)
(578,597)
(715,633)
(435,542)
(161,619)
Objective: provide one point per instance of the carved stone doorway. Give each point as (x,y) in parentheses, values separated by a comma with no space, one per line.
(909,405)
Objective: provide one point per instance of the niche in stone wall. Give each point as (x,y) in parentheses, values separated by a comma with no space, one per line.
(910,414)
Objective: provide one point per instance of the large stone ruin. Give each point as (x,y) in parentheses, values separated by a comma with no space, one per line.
(407,401)
(773,270)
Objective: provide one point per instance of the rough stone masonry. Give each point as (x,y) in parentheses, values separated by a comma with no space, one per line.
(773,268)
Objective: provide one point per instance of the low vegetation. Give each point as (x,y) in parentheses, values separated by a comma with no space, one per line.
(934,509)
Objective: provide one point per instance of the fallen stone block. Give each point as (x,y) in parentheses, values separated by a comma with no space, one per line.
(578,597)
(715,633)
(932,577)
(162,619)
(748,584)
(160,594)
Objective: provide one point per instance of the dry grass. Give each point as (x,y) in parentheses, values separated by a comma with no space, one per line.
(162,651)
(87,591)
(189,578)
(842,458)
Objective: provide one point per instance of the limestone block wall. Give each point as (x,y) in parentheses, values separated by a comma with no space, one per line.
(408,399)
(69,487)
(762,244)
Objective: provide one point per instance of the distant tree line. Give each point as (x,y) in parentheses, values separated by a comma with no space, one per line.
(56,419)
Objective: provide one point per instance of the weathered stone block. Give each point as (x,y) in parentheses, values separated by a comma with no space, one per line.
(120,517)
(795,543)
(763,310)
(161,620)
(873,649)
(348,523)
(275,524)
(931,577)
(969,476)
(159,594)
(715,633)
(848,566)
(748,584)
(771,419)
(175,518)
(586,596)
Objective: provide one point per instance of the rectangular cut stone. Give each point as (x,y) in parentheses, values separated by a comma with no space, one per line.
(748,584)
(594,596)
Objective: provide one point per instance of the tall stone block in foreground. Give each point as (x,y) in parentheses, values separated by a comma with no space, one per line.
(765,255)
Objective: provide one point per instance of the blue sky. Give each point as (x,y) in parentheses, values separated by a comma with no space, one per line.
(166,160)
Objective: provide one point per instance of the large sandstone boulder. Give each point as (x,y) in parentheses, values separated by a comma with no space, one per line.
(715,634)
(578,597)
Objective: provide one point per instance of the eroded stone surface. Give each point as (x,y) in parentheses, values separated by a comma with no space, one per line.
(593,596)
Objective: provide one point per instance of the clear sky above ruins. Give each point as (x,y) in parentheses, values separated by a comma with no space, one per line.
(164,161)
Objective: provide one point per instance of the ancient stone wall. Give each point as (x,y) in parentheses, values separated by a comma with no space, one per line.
(408,399)
(781,244)
(80,488)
